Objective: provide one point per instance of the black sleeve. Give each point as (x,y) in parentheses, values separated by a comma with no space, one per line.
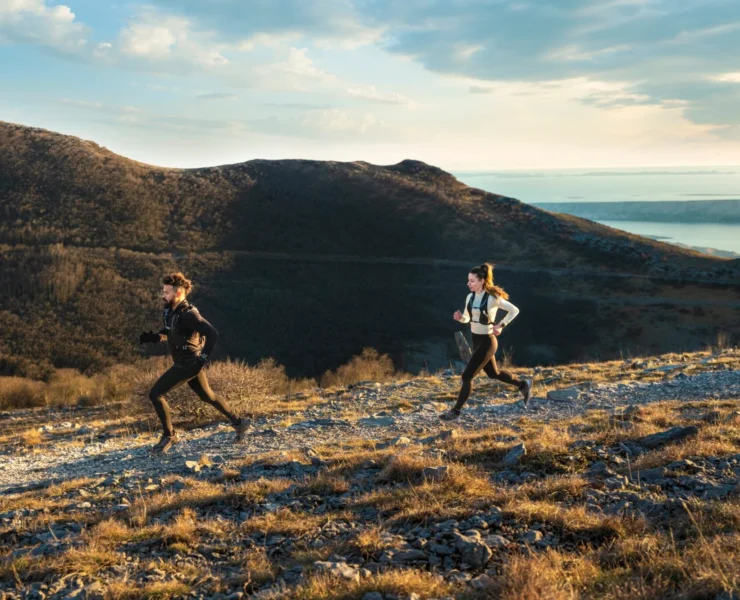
(197,323)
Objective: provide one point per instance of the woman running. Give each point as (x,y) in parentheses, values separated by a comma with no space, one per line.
(481,306)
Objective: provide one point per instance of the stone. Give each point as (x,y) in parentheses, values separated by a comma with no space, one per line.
(463,347)
(713,416)
(377,421)
(615,483)
(473,552)
(482,582)
(441,549)
(569,394)
(532,536)
(372,596)
(719,492)
(649,475)
(340,570)
(674,434)
(514,456)
(496,542)
(409,555)
(397,441)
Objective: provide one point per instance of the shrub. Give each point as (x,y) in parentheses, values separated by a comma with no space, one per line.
(370,365)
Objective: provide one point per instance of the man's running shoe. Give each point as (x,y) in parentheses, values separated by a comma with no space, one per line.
(165,443)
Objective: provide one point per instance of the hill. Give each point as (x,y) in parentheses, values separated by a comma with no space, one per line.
(311,261)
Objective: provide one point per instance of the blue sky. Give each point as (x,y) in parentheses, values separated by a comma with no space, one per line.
(463,84)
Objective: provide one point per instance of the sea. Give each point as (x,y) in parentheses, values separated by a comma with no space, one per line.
(624,185)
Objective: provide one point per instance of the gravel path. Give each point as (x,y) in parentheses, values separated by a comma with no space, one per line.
(378,412)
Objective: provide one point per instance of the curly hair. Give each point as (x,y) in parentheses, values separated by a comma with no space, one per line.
(178,280)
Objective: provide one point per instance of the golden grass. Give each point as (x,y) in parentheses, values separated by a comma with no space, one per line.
(203,493)
(400,582)
(285,522)
(258,567)
(464,490)
(551,575)
(151,591)
(574,519)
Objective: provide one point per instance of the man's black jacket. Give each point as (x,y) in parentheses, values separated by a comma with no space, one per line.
(185,330)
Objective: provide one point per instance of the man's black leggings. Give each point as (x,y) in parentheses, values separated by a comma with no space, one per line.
(484,351)
(193,374)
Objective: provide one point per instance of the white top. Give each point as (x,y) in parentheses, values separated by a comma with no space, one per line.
(494,303)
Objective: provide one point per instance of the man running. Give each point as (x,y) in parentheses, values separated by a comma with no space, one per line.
(191,340)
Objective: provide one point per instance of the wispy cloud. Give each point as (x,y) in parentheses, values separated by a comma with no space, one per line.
(216,96)
(374,95)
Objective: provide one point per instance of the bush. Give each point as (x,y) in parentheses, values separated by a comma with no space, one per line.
(370,365)
(241,385)
(17,392)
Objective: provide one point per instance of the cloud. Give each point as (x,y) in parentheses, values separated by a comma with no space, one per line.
(47,25)
(158,37)
(326,23)
(660,51)
(373,95)
(216,96)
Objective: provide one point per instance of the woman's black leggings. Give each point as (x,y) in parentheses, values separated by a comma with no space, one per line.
(193,374)
(484,351)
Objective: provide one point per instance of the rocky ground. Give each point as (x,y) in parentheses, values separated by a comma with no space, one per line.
(617,479)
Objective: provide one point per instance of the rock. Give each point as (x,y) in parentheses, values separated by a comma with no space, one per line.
(615,483)
(473,552)
(377,421)
(514,455)
(341,570)
(649,475)
(600,469)
(719,492)
(441,549)
(569,394)
(496,542)
(436,473)
(674,434)
(713,416)
(463,346)
(532,536)
(481,582)
(409,555)
(372,596)
(193,466)
(397,441)
(443,436)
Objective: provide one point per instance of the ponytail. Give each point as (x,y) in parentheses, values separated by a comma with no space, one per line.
(485,272)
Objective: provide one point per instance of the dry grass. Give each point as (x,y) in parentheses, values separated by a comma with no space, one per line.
(203,493)
(402,583)
(163,590)
(549,576)
(463,491)
(31,438)
(574,519)
(284,522)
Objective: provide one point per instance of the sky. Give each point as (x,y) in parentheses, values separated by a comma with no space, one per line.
(461,84)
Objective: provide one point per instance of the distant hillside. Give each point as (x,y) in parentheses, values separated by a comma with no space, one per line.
(690,211)
(310,261)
